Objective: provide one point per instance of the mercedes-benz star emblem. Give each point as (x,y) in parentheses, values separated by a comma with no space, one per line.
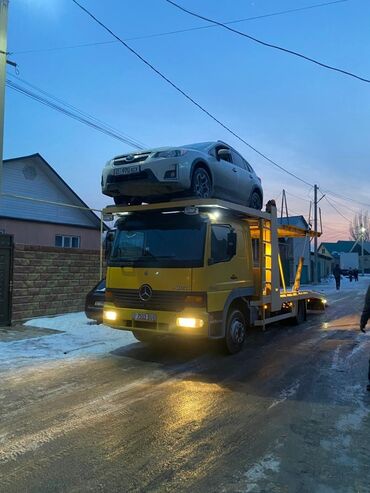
(145,292)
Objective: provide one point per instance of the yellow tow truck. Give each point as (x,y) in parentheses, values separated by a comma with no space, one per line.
(202,268)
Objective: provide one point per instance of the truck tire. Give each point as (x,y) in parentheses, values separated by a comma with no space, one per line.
(301,314)
(236,331)
(145,337)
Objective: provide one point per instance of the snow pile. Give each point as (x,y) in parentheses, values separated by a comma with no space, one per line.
(78,338)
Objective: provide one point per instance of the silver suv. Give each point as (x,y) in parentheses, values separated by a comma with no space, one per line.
(206,169)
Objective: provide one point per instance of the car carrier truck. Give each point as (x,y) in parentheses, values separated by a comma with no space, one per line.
(201,268)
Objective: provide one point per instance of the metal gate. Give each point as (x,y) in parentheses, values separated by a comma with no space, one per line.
(6,270)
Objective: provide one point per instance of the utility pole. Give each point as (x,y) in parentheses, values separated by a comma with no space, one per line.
(3,53)
(315,264)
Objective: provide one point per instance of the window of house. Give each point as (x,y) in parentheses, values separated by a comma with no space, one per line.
(66,241)
(219,243)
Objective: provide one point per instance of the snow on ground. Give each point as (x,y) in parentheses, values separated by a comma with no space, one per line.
(78,339)
(327,286)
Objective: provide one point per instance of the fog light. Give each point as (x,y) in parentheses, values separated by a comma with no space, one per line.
(190,323)
(171,173)
(110,315)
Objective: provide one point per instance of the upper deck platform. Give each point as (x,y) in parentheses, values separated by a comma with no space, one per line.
(252,216)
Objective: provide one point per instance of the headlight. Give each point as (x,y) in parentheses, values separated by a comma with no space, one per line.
(110,315)
(190,323)
(170,153)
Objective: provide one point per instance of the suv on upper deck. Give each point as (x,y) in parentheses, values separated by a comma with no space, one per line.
(204,170)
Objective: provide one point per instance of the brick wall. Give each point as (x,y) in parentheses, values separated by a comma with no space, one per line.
(48,280)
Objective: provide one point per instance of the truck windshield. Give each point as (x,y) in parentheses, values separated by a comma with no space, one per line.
(159,240)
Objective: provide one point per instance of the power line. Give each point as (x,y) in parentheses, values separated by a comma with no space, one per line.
(135,142)
(270,45)
(337,210)
(187,96)
(343,197)
(86,121)
(179,31)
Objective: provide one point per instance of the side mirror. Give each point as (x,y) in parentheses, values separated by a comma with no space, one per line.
(231,244)
(223,154)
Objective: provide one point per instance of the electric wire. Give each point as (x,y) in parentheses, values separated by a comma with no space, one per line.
(270,45)
(135,142)
(343,197)
(36,97)
(337,210)
(187,96)
(179,31)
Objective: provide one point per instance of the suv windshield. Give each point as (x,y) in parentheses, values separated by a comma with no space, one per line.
(159,240)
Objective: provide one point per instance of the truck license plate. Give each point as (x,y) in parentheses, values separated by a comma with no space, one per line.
(144,317)
(127,170)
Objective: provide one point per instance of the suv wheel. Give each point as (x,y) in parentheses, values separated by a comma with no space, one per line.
(201,185)
(255,201)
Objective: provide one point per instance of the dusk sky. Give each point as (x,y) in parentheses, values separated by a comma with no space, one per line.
(314,122)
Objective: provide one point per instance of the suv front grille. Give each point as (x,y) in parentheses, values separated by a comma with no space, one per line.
(130,158)
(171,301)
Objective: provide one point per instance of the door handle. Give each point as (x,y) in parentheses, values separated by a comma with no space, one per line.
(235,170)
(233,277)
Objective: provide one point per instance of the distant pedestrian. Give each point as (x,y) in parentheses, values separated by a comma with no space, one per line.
(336,273)
(350,274)
(355,274)
(364,319)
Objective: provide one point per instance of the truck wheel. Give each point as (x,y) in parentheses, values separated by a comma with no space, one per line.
(301,314)
(201,184)
(235,331)
(145,336)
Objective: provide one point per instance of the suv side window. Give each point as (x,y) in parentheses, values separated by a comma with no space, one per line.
(238,160)
(219,243)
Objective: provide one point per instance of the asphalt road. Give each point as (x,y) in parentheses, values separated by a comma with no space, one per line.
(288,414)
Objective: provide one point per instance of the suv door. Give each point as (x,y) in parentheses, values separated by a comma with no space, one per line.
(225,173)
(245,178)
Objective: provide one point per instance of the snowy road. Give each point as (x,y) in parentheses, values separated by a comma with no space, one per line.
(91,409)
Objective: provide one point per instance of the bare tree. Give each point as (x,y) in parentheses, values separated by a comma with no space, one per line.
(360,226)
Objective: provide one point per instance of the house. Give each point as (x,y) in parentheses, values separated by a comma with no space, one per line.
(325,263)
(291,249)
(44,223)
(346,246)
(50,242)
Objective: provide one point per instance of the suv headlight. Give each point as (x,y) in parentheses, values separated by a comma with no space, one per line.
(170,153)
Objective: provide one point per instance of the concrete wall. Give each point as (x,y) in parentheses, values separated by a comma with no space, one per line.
(35,233)
(49,281)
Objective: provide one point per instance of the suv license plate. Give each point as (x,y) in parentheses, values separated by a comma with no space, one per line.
(144,317)
(127,170)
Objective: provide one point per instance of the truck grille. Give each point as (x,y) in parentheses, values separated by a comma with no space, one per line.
(130,158)
(170,301)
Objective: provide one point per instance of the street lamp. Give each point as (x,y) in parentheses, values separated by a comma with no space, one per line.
(362,231)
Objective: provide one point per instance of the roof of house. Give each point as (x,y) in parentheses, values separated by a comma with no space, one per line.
(299,221)
(345,246)
(51,197)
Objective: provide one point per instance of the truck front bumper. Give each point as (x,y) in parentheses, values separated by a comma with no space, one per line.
(161,322)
